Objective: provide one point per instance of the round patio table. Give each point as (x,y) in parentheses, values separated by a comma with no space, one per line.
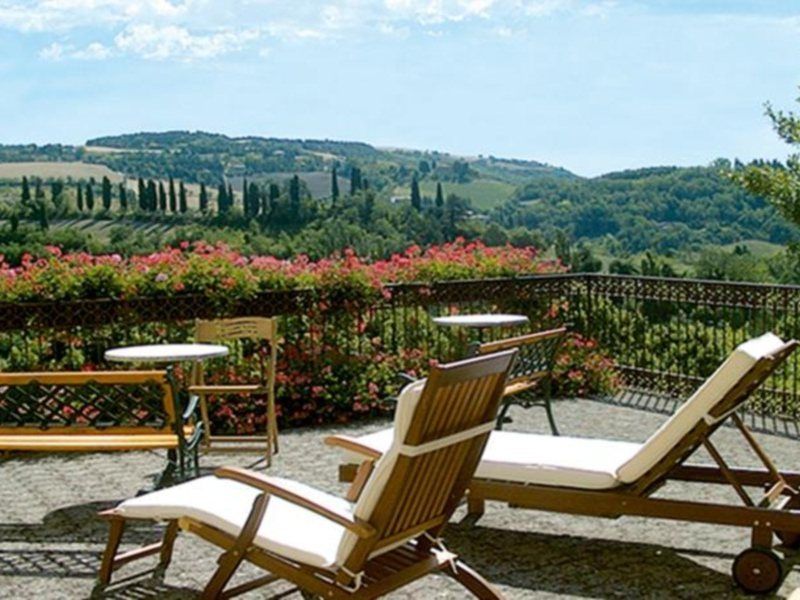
(482,321)
(166,353)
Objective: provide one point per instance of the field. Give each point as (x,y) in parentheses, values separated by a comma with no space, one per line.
(485,194)
(757,248)
(57,170)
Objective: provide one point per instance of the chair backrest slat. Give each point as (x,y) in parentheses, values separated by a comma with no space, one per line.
(441,428)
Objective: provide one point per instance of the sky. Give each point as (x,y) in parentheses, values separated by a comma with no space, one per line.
(590,85)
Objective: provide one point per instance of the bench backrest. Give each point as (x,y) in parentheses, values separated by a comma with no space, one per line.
(535,357)
(86,402)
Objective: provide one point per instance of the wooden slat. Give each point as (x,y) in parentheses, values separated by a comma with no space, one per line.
(86,443)
(81,377)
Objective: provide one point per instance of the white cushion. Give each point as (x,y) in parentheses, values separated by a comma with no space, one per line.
(593,463)
(287,529)
(699,405)
(367,501)
(541,459)
(554,460)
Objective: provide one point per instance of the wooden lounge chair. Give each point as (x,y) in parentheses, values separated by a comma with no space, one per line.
(613,478)
(531,379)
(384,535)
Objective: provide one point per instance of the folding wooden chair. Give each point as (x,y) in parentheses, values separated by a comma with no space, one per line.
(612,478)
(385,534)
(530,382)
(261,331)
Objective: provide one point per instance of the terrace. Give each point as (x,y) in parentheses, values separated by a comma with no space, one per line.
(663,335)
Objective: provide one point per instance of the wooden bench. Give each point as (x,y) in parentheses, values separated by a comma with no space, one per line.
(532,369)
(98,412)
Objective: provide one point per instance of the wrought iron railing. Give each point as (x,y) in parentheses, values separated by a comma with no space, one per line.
(665,335)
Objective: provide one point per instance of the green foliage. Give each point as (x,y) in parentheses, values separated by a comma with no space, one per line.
(661,209)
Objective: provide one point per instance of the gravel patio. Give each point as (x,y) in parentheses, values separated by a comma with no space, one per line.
(50,540)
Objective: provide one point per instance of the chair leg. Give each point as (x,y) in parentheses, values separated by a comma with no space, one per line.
(548,407)
(206,423)
(114,538)
(501,417)
(474,582)
(167,544)
(548,404)
(228,563)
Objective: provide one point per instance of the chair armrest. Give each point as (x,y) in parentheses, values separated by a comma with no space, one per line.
(276,487)
(352,445)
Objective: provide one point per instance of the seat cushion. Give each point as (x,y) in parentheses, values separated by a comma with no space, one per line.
(540,459)
(287,529)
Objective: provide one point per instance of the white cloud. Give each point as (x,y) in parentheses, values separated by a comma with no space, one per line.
(438,11)
(63,15)
(171,41)
(192,29)
(57,51)
(54,51)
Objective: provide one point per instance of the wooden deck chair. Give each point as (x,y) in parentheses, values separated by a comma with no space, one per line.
(532,371)
(613,478)
(260,330)
(384,535)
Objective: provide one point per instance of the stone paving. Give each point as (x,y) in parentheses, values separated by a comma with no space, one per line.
(50,540)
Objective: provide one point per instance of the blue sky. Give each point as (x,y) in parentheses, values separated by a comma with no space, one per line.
(592,85)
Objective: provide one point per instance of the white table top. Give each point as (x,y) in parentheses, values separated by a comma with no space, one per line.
(157,353)
(481,321)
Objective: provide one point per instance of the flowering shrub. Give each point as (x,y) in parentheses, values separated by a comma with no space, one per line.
(337,360)
(221,273)
(582,371)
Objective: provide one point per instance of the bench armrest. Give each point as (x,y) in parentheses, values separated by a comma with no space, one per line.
(277,487)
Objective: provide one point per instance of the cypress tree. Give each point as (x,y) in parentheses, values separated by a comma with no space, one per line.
(416,199)
(26,191)
(183,205)
(245,199)
(355,180)
(152,196)
(79,200)
(231,197)
(334,186)
(294,196)
(123,197)
(203,198)
(253,200)
(39,193)
(106,193)
(222,199)
(89,197)
(439,195)
(56,189)
(41,213)
(142,192)
(162,197)
(173,198)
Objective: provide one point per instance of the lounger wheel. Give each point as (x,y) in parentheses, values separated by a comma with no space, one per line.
(758,571)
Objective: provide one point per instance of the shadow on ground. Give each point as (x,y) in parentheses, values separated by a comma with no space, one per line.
(531,561)
(563,564)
